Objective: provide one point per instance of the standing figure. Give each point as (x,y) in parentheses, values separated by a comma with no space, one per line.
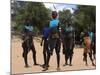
(92,38)
(28,44)
(94,46)
(68,43)
(87,49)
(54,40)
(44,42)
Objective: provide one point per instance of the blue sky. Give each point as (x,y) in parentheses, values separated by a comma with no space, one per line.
(60,7)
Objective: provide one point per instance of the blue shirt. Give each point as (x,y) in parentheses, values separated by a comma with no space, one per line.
(91,36)
(29,28)
(69,29)
(53,23)
(45,32)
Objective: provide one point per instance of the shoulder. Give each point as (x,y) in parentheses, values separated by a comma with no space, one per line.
(25,26)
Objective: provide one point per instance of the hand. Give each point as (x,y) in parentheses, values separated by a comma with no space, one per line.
(63,52)
(50,52)
(41,44)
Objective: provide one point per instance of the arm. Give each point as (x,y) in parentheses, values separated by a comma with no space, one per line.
(59,29)
(23,33)
(42,38)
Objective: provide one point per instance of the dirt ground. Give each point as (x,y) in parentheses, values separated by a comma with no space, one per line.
(17,62)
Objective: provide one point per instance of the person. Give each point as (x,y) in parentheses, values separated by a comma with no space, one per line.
(68,43)
(54,40)
(91,35)
(87,49)
(45,35)
(92,38)
(27,43)
(94,46)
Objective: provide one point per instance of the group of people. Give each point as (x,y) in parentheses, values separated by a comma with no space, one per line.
(52,36)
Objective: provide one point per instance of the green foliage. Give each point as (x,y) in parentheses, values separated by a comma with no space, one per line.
(85,18)
(36,10)
(65,15)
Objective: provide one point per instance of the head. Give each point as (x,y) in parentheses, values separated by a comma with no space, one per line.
(54,14)
(27,22)
(86,34)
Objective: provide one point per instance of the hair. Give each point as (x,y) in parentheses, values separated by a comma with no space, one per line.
(86,34)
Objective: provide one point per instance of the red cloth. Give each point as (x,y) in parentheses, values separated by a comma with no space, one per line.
(87,42)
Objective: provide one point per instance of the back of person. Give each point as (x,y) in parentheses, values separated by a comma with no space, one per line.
(45,32)
(87,41)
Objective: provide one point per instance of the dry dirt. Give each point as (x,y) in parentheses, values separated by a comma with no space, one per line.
(17,62)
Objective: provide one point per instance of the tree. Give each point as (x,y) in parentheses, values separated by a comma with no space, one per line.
(65,15)
(85,18)
(34,10)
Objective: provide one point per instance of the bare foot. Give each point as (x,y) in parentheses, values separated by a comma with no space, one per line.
(36,64)
(86,64)
(43,66)
(58,69)
(27,66)
(65,64)
(93,64)
(45,69)
(70,64)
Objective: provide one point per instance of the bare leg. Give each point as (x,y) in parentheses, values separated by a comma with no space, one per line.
(25,52)
(85,58)
(34,55)
(90,55)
